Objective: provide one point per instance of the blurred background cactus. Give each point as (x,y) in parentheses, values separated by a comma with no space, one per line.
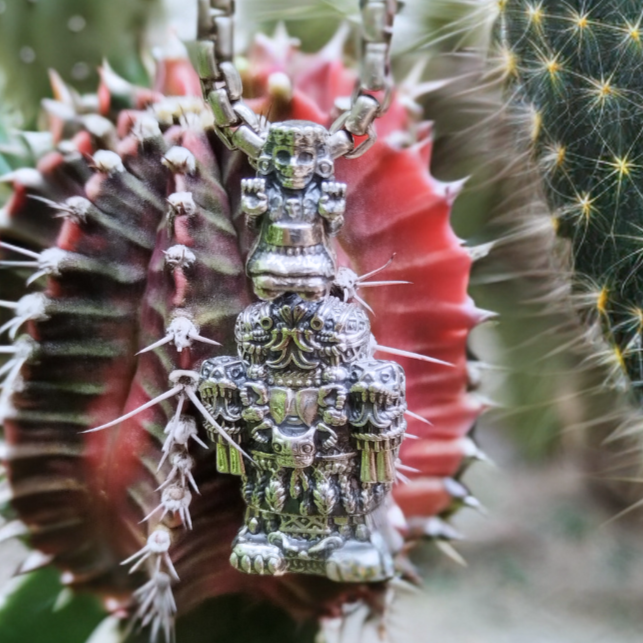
(71,37)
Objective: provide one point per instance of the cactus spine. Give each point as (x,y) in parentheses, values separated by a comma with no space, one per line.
(574,68)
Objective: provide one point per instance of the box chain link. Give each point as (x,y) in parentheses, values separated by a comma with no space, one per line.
(240,128)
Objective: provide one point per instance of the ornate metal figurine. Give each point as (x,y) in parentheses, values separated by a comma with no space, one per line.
(320,418)
(323,422)
(298,207)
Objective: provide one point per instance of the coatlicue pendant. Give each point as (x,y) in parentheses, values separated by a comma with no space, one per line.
(321,420)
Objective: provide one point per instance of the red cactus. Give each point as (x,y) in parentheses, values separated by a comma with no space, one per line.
(82,495)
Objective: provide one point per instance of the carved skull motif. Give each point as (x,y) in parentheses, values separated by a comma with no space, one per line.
(222,378)
(297,449)
(377,393)
(296,151)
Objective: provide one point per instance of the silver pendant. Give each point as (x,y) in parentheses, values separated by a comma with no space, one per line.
(320,418)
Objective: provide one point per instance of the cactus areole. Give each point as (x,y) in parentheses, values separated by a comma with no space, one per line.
(202,301)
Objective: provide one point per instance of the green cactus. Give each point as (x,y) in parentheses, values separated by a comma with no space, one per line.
(31,44)
(574,70)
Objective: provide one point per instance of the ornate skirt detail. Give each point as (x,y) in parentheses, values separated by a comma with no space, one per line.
(322,423)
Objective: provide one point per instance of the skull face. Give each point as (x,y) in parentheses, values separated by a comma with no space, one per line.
(377,381)
(253,331)
(342,330)
(295,165)
(377,393)
(296,151)
(296,450)
(221,379)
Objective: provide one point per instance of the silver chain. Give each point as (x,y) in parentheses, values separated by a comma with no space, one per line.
(375,76)
(240,128)
(236,124)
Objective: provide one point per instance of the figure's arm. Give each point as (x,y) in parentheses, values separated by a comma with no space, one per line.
(330,441)
(254,199)
(332,402)
(332,205)
(254,397)
(259,432)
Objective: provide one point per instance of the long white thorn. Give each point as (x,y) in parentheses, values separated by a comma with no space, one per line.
(404,467)
(205,340)
(8,350)
(138,564)
(402,478)
(423,358)
(19,250)
(184,513)
(417,417)
(179,410)
(149,515)
(8,304)
(6,368)
(377,270)
(377,284)
(192,481)
(15,321)
(206,414)
(19,264)
(49,202)
(36,276)
(157,400)
(161,342)
(361,301)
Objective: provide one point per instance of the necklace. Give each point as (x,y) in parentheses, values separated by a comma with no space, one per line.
(319,420)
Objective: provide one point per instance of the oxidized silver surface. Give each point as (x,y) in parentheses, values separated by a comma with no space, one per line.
(297,206)
(321,419)
(323,422)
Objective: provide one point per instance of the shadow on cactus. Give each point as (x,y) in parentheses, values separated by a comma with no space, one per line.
(135,214)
